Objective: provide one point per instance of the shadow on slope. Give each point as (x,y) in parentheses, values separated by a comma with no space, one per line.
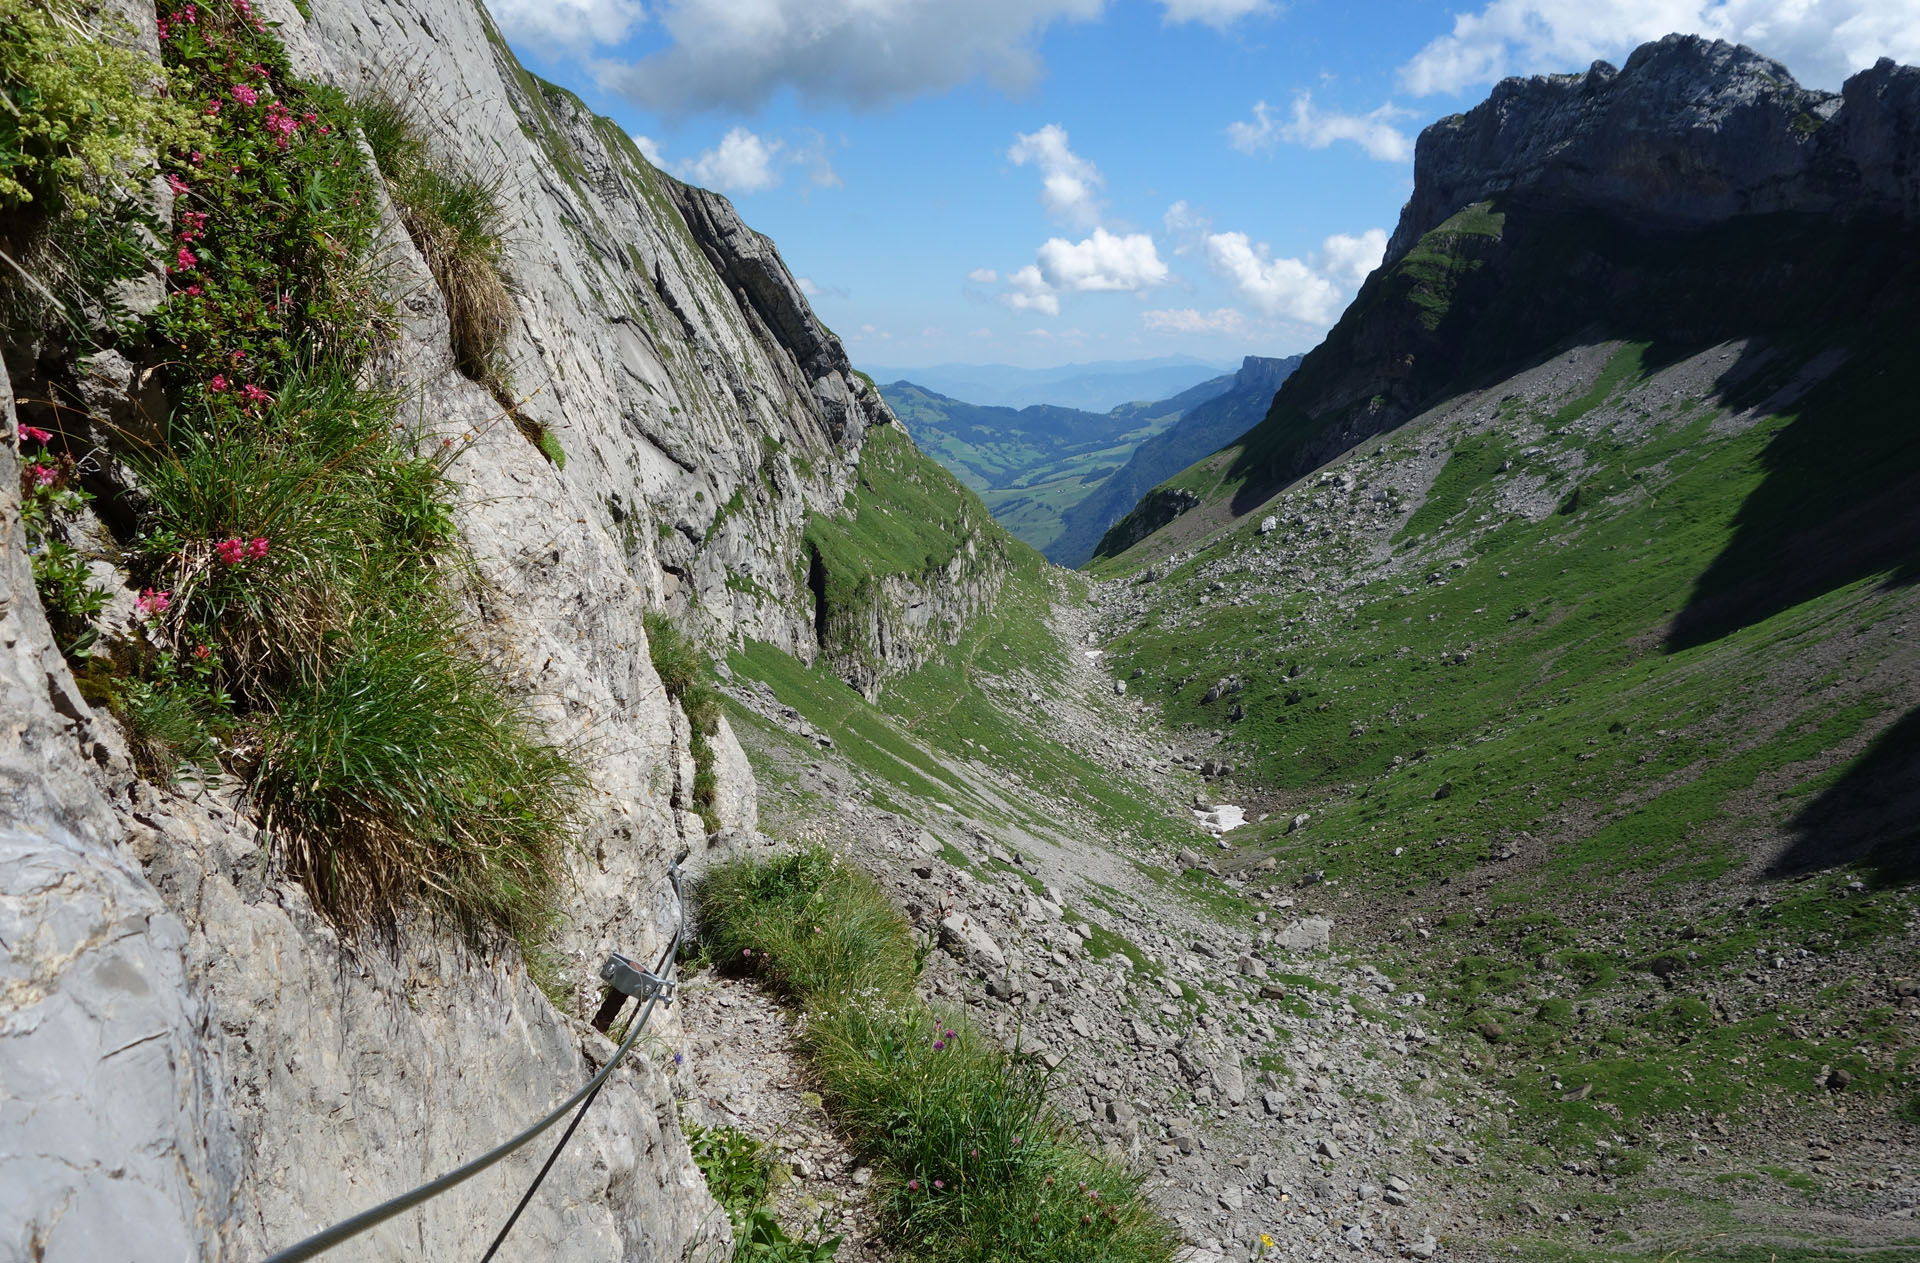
(1499,288)
(1840,500)
(1872,812)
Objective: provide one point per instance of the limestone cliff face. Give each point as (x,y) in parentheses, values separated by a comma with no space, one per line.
(1690,132)
(196,1065)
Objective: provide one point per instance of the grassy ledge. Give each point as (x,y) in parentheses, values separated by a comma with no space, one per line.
(972,1163)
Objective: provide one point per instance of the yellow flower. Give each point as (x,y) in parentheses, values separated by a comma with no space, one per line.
(1266,1241)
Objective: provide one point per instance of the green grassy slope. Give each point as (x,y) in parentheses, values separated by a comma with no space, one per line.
(970,705)
(1600,691)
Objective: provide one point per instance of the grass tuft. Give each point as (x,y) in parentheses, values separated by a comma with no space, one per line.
(973,1163)
(404,768)
(455,218)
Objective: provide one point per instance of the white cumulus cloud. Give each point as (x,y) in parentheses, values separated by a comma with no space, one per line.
(1286,288)
(575,25)
(737,54)
(1315,128)
(983,276)
(1225,320)
(1347,259)
(1030,292)
(1821,41)
(1069,184)
(1103,261)
(1215,13)
(741,163)
(1307,291)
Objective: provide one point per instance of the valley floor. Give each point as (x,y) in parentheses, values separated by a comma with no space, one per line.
(1260,1047)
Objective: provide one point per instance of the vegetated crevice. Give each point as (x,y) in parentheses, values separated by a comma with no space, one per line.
(457,221)
(298,624)
(682,671)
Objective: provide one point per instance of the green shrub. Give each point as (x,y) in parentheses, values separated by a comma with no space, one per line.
(761,1239)
(974,1165)
(274,211)
(404,771)
(348,520)
(734,1165)
(76,109)
(50,497)
(739,1176)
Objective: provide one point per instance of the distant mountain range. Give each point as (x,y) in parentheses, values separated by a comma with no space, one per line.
(1096,387)
(1058,477)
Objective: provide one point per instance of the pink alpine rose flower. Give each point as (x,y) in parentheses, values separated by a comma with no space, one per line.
(231,552)
(35,433)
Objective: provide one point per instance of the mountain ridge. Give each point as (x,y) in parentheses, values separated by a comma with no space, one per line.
(1546,268)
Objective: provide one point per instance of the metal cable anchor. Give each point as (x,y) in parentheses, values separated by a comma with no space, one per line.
(624,978)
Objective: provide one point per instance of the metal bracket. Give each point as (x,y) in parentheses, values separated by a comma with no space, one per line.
(635,980)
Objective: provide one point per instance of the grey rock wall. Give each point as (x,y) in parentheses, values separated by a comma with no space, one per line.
(704,411)
(112,1144)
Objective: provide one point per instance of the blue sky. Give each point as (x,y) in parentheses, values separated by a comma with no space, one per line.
(1037,182)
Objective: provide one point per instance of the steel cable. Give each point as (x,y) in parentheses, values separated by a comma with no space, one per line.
(321,1242)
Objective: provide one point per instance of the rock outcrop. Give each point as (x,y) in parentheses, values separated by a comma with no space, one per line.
(110,1144)
(1690,132)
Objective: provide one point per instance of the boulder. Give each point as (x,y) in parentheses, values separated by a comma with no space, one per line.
(966,938)
(1310,934)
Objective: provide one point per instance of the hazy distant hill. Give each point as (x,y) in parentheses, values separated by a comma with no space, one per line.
(1033,464)
(1096,387)
(1205,426)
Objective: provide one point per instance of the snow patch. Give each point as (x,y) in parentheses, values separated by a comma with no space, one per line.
(1222,819)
